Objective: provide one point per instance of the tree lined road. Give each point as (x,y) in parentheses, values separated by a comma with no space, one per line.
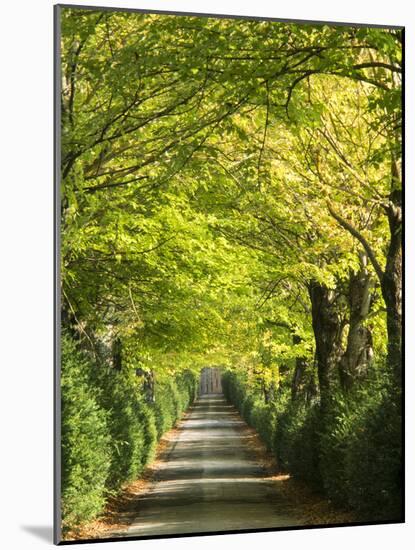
(210,480)
(231,194)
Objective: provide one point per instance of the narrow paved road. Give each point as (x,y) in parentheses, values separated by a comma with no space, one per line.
(210,480)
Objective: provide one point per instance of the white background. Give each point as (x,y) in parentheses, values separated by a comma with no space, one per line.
(26,252)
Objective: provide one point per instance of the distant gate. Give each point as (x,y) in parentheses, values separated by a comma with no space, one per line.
(210,381)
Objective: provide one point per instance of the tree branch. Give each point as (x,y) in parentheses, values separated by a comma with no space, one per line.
(357,235)
(373,64)
(94,188)
(264,137)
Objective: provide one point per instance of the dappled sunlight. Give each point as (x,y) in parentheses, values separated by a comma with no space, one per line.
(230,235)
(210,479)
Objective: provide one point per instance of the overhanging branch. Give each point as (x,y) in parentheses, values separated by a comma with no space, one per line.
(357,235)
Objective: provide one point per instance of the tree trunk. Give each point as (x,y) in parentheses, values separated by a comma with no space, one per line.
(148,387)
(117,354)
(392,287)
(391,278)
(299,371)
(327,327)
(359,352)
(269,393)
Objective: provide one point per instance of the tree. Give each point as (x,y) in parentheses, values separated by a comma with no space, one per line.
(197,153)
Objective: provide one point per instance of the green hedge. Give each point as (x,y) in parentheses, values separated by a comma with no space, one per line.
(172,397)
(296,441)
(109,431)
(353,455)
(132,425)
(360,453)
(86,449)
(288,430)
(254,411)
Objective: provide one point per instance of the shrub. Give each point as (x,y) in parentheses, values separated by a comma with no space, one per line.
(289,429)
(109,431)
(172,397)
(187,383)
(373,463)
(131,423)
(86,451)
(165,406)
(352,453)
(234,389)
(296,441)
(247,407)
(360,455)
(263,419)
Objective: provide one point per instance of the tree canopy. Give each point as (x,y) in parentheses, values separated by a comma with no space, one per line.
(231,195)
(213,169)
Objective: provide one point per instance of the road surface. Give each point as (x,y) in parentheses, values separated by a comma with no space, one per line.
(209,480)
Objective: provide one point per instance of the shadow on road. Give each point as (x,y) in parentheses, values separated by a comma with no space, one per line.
(209,480)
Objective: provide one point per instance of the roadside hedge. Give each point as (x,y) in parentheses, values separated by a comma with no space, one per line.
(352,455)
(85,449)
(172,397)
(109,431)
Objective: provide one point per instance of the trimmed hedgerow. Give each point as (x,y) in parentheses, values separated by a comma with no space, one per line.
(296,441)
(131,423)
(109,431)
(172,397)
(360,455)
(263,417)
(352,454)
(86,449)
